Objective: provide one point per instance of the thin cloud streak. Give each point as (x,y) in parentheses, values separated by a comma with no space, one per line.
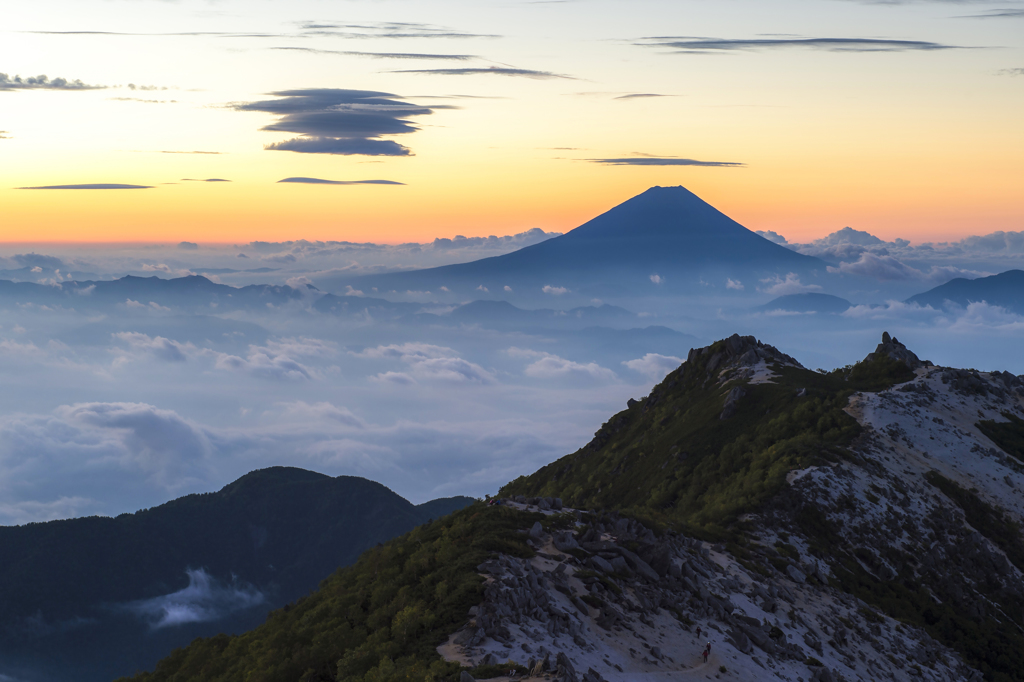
(490,70)
(663,161)
(91,186)
(320,181)
(995,14)
(384,55)
(685,45)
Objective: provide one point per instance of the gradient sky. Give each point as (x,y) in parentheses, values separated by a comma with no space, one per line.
(900,118)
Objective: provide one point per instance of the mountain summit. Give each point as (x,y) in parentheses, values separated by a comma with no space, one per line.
(666,239)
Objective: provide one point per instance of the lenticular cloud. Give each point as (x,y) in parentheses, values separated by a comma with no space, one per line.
(336,121)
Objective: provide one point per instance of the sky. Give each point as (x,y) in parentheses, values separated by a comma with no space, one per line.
(178,119)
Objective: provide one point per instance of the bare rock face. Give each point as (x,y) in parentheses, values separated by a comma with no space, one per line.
(741,351)
(565,672)
(729,408)
(892,348)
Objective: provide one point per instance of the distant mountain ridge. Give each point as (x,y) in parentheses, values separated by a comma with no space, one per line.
(810,302)
(1005,290)
(667,233)
(190,291)
(98,589)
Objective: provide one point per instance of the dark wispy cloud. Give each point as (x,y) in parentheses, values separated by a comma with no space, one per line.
(91,186)
(43,83)
(995,14)
(385,29)
(204,180)
(1012,72)
(688,45)
(143,100)
(385,55)
(641,95)
(215,34)
(336,121)
(925,2)
(4,135)
(491,70)
(665,161)
(320,181)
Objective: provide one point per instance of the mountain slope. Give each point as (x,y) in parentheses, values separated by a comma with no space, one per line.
(884,476)
(862,524)
(1005,290)
(666,231)
(115,594)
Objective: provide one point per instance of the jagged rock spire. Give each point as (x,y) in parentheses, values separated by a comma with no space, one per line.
(891,347)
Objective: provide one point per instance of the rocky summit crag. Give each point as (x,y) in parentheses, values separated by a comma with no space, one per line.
(860,524)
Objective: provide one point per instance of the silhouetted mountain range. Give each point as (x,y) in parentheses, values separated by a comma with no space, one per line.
(193,291)
(1005,290)
(94,598)
(665,239)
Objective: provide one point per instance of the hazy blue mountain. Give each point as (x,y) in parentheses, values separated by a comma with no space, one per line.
(502,314)
(190,292)
(667,232)
(363,305)
(807,303)
(94,598)
(1005,290)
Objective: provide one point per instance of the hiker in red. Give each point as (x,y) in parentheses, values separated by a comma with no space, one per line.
(705,654)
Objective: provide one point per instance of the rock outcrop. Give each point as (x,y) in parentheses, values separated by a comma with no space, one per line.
(892,348)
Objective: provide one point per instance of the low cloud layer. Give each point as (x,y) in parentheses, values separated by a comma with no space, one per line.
(856,252)
(427,362)
(550,366)
(779,286)
(204,600)
(654,365)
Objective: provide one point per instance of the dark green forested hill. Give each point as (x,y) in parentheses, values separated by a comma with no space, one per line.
(379,620)
(106,596)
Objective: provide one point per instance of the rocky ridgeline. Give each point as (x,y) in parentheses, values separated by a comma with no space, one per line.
(738,352)
(605,595)
(738,357)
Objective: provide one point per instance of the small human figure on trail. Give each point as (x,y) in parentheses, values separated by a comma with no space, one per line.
(698,632)
(709,647)
(705,655)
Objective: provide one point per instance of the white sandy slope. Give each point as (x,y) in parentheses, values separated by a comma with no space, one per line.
(846,642)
